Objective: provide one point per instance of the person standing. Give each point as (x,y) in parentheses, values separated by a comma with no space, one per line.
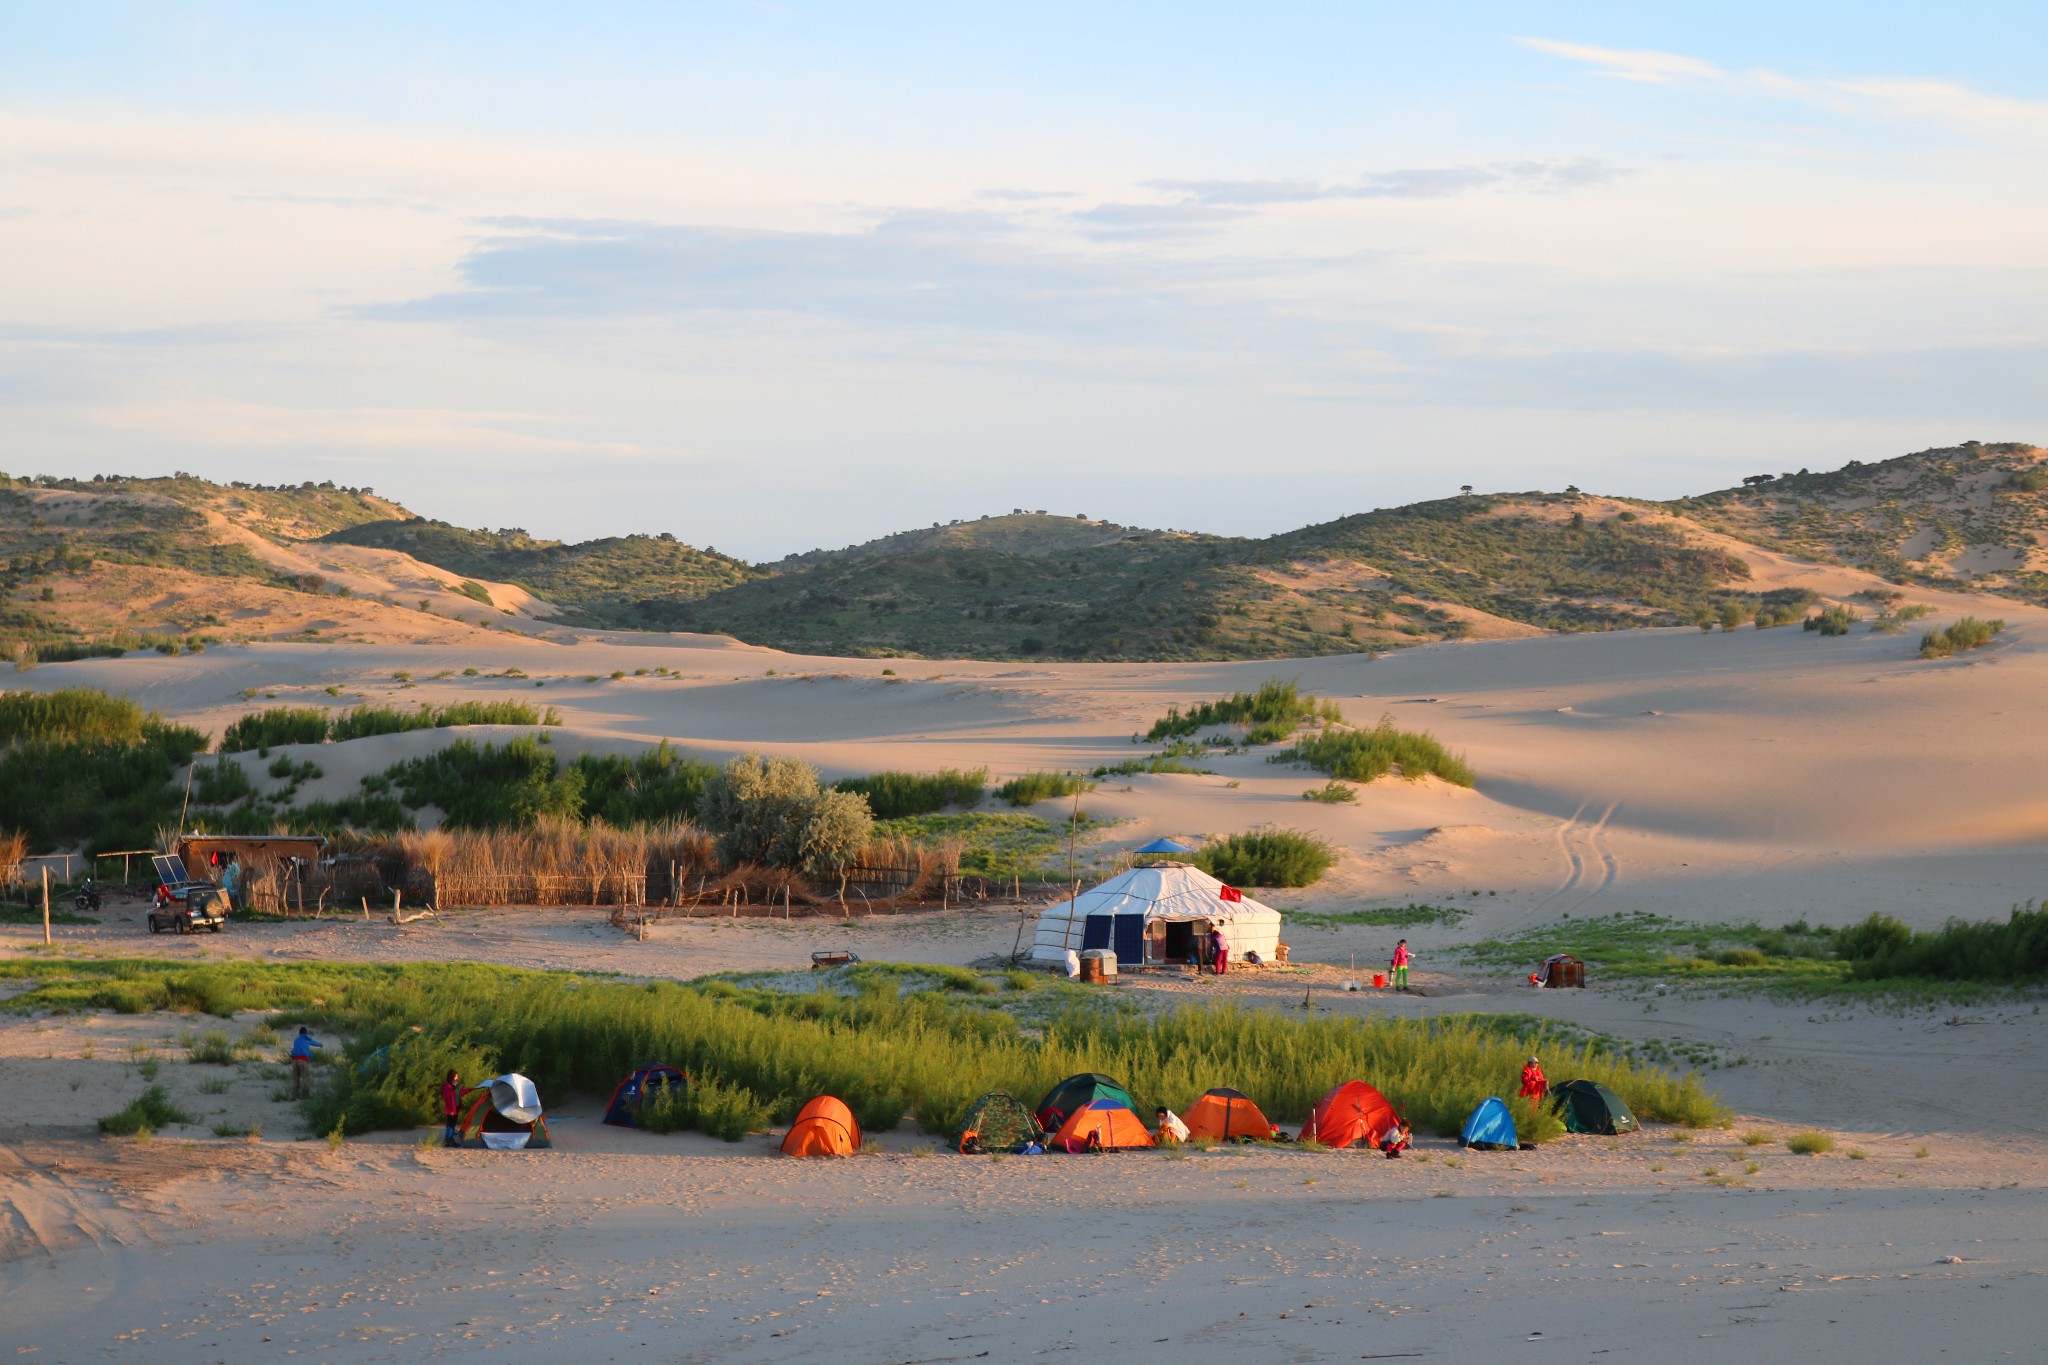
(1222,953)
(1534,1084)
(1400,965)
(451,1108)
(302,1062)
(231,882)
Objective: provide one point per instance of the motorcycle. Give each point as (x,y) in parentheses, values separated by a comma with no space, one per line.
(88,897)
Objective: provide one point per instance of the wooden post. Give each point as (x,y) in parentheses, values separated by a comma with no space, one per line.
(46,902)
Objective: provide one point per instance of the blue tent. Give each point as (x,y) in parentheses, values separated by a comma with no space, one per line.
(1490,1126)
(1163,846)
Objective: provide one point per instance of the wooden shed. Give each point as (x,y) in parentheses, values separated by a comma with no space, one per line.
(275,867)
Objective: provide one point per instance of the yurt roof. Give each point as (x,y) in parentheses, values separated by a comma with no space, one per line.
(1161,891)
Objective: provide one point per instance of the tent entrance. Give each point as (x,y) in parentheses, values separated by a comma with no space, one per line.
(1180,940)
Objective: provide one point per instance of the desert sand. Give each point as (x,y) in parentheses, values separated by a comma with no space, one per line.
(1758,774)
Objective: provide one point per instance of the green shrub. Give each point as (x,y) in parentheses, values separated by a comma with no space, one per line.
(144,1114)
(772,811)
(276,726)
(1000,844)
(363,721)
(1333,793)
(71,715)
(1812,1142)
(491,786)
(1032,788)
(1967,632)
(390,1077)
(726,1111)
(89,769)
(1874,937)
(212,1048)
(2015,949)
(654,785)
(893,795)
(1267,857)
(220,783)
(1742,957)
(1836,620)
(1275,711)
(1364,755)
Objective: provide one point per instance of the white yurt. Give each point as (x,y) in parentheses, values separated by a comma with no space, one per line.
(1150,914)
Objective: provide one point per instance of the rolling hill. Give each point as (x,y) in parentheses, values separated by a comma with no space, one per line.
(115,559)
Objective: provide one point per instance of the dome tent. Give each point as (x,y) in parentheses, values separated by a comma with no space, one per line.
(1226,1115)
(997,1122)
(823,1127)
(1490,1128)
(1074,1093)
(1117,913)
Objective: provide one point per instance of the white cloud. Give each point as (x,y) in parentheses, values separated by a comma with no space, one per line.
(1941,103)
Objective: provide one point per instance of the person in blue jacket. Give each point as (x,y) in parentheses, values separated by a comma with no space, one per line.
(302,1061)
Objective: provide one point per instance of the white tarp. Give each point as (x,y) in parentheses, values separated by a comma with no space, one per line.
(514,1096)
(1161,891)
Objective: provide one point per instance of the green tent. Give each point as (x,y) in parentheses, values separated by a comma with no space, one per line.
(1062,1100)
(1589,1107)
(999,1120)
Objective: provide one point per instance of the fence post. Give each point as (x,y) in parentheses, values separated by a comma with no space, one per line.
(46,902)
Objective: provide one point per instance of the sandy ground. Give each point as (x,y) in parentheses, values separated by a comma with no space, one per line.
(1767,775)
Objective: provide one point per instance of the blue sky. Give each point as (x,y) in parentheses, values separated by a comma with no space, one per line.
(776,276)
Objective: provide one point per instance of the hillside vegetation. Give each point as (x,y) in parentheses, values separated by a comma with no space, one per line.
(1029,584)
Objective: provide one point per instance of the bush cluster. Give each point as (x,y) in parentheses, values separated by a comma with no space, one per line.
(311,725)
(81,767)
(2013,950)
(1835,620)
(772,811)
(1032,788)
(1968,632)
(1266,857)
(1363,755)
(894,796)
(1273,712)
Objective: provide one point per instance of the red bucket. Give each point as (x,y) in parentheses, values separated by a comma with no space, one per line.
(1379,980)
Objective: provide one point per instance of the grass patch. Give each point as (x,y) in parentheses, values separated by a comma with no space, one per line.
(1812,1142)
(1032,788)
(1267,857)
(1364,755)
(1758,1137)
(1273,712)
(144,1114)
(893,795)
(1000,843)
(1386,916)
(885,1050)
(1333,793)
(212,1048)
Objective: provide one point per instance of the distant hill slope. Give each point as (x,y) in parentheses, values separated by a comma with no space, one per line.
(1971,517)
(597,582)
(1462,567)
(1034,534)
(88,559)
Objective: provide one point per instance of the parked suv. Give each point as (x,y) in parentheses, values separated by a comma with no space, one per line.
(183,904)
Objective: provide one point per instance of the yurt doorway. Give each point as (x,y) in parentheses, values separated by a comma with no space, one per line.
(1180,939)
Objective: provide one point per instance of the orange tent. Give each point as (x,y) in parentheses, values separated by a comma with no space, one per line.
(824,1127)
(1223,1115)
(1352,1114)
(1113,1125)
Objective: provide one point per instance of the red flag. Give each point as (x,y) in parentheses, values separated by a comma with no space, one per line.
(1231,893)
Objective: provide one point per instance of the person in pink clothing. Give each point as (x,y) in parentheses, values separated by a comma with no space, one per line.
(1400,965)
(1222,954)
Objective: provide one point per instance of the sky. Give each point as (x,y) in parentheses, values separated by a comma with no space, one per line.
(780,276)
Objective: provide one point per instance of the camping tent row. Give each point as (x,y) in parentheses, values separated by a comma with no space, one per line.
(1151,914)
